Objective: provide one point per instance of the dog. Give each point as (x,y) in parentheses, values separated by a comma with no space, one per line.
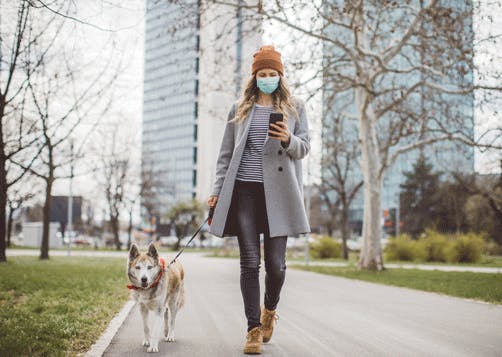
(159,290)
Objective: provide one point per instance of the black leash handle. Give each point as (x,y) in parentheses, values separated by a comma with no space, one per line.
(208,219)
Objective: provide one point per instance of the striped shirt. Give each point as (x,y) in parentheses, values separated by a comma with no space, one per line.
(250,168)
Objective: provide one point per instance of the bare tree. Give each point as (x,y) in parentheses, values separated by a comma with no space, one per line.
(60,96)
(153,186)
(57,127)
(18,132)
(341,180)
(115,174)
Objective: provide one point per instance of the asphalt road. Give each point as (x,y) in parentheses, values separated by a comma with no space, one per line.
(320,315)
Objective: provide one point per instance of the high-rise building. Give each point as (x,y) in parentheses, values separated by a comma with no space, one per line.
(196,59)
(443,155)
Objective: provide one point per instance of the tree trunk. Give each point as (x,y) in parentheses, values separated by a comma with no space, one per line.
(3,186)
(371,254)
(44,248)
(9,225)
(114,220)
(3,207)
(129,230)
(345,230)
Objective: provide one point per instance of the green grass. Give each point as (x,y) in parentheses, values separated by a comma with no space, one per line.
(58,306)
(292,256)
(479,286)
(486,261)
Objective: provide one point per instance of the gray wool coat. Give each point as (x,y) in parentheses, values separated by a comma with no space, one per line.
(282,176)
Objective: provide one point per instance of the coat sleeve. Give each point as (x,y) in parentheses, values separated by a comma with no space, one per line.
(225,155)
(299,144)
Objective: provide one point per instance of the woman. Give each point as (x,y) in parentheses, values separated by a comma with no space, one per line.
(258,187)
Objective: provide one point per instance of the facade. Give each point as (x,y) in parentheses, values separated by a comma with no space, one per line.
(443,155)
(185,105)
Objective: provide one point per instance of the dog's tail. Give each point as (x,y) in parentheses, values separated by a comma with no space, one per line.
(182,272)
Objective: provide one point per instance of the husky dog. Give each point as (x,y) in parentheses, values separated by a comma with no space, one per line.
(157,289)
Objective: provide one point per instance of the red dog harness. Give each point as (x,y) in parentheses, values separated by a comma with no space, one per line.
(156,282)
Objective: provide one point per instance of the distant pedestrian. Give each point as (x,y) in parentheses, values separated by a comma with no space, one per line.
(259,188)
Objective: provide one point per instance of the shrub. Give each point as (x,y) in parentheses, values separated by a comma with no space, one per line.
(325,248)
(492,248)
(466,248)
(403,248)
(434,246)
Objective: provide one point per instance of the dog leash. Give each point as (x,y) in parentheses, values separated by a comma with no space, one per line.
(208,219)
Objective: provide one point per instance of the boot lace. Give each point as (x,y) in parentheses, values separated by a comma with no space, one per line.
(254,334)
(267,318)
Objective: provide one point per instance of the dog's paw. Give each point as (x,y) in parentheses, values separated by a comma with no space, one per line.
(152,349)
(169,338)
(146,343)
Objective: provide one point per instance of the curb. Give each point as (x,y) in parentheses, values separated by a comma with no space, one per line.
(99,347)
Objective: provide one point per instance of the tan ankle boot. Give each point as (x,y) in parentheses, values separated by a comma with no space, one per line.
(254,340)
(267,320)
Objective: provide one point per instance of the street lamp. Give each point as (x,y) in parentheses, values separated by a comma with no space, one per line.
(70,200)
(307,204)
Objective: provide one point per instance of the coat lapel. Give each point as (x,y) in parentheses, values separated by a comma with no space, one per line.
(242,132)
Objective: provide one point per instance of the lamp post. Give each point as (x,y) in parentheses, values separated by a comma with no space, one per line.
(398,208)
(307,204)
(70,200)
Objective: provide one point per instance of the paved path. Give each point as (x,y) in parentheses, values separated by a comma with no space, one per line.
(105,254)
(320,315)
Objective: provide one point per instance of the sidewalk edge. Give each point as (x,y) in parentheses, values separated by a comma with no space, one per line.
(99,347)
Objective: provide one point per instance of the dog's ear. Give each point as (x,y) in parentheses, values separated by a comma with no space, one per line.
(152,251)
(133,252)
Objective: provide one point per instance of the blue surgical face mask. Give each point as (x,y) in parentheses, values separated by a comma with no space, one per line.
(267,84)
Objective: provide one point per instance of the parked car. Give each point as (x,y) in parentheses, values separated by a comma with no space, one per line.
(195,243)
(212,242)
(168,241)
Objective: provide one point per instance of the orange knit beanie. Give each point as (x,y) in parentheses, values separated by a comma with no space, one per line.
(267,57)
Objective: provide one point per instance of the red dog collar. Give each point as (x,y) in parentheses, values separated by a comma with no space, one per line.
(156,282)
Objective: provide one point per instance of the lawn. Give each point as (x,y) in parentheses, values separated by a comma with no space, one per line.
(60,306)
(480,286)
(296,256)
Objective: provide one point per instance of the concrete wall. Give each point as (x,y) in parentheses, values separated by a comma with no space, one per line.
(32,235)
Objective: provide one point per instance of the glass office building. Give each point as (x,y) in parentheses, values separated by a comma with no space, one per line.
(443,155)
(170,98)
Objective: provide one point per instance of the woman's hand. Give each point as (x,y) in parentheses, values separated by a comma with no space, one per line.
(212,201)
(281,132)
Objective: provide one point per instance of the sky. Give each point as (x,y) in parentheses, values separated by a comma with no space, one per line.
(122,23)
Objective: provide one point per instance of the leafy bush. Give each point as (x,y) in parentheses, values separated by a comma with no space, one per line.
(403,248)
(325,248)
(434,246)
(492,248)
(466,248)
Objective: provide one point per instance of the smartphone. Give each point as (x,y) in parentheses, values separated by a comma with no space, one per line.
(274,118)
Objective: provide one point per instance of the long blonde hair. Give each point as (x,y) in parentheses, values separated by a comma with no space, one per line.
(281,98)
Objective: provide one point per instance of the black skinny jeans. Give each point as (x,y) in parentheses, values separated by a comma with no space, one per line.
(252,220)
